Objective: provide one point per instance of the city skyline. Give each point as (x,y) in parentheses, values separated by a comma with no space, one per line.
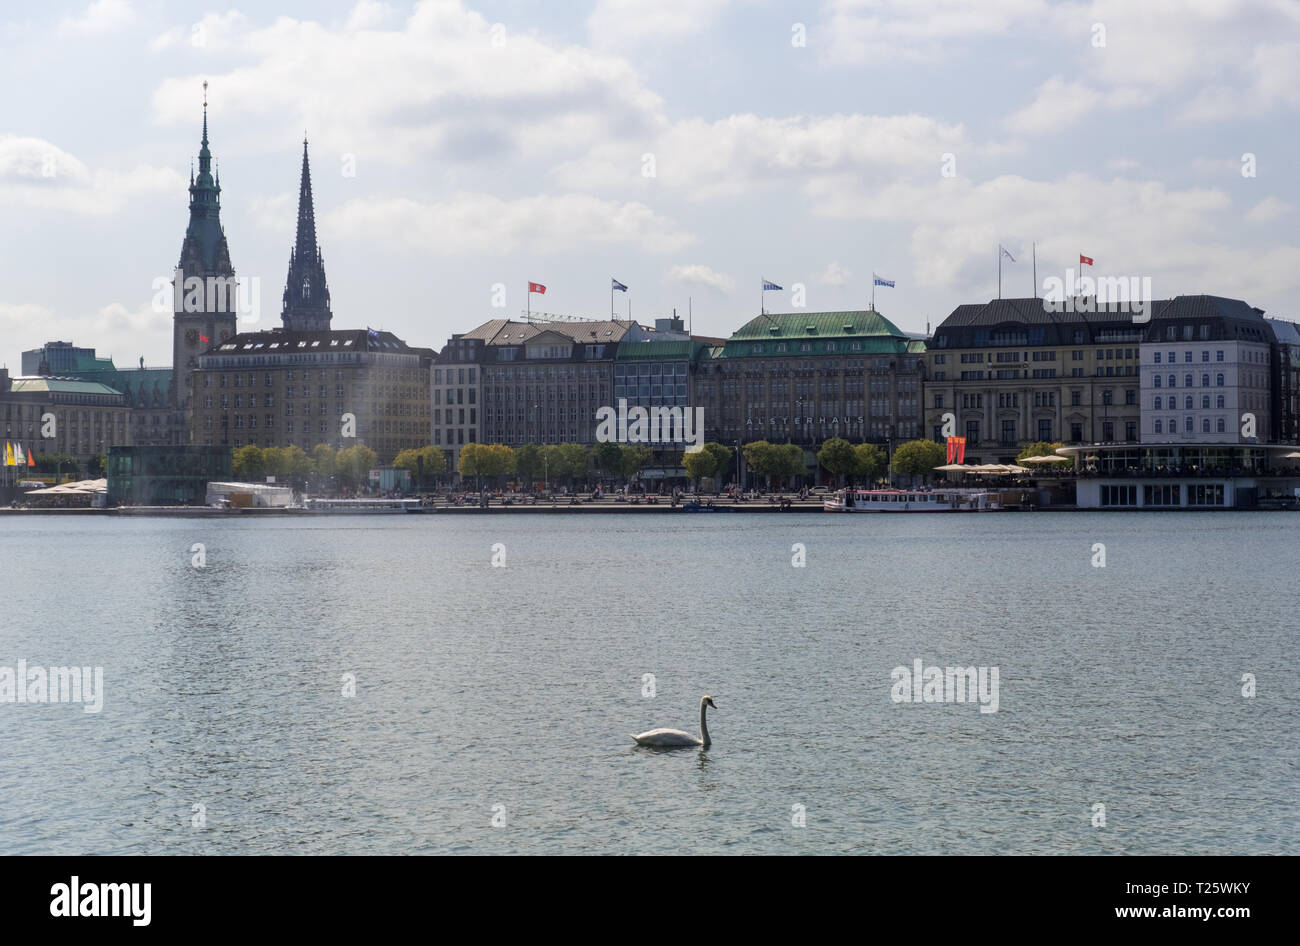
(814,164)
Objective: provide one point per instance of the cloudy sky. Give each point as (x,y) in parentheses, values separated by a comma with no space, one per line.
(687,147)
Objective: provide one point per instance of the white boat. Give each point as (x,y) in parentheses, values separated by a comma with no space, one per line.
(912,500)
(368,506)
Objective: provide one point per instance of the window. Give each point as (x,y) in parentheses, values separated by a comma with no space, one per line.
(1131,431)
(1156,360)
(1108,432)
(1076,432)
(1124,495)
(1157,404)
(1205,380)
(1130,396)
(972,431)
(1205,355)
(1045,430)
(1187,380)
(1076,398)
(1205,425)
(1008,431)
(1218,356)
(1205,402)
(1218,402)
(1156,381)
(1187,356)
(1173,381)
(1220,425)
(1219,380)
(1158,426)
(938,400)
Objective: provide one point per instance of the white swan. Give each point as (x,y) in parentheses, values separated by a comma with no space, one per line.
(675,738)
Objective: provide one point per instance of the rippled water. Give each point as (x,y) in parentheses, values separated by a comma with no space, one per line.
(479,687)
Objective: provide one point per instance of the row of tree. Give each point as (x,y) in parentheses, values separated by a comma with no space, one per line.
(349,465)
(573,461)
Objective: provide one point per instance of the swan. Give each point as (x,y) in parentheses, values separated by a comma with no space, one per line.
(675,738)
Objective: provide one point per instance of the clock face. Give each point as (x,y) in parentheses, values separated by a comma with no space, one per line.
(192,337)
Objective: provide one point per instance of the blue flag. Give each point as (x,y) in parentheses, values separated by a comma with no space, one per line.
(616,286)
(769,285)
(882,282)
(372,333)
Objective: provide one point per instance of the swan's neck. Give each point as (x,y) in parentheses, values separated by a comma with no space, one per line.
(704,726)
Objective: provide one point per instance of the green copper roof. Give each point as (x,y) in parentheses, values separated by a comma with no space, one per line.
(788,325)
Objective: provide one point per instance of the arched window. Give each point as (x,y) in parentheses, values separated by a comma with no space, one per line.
(1205,380)
(1173,425)
(1205,402)
(306,288)
(1173,381)
(1218,402)
(1187,380)
(1188,425)
(1157,405)
(1187,403)
(1218,381)
(1158,427)
(1205,425)
(1220,425)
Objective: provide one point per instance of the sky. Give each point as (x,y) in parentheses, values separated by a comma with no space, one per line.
(688,148)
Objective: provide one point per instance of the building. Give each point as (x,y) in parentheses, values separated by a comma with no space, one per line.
(455,397)
(81,418)
(1286,381)
(1206,366)
(307,383)
(205,304)
(654,373)
(808,377)
(1010,372)
(165,475)
(538,382)
(147,391)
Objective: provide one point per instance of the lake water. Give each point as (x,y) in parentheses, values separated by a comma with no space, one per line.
(507,694)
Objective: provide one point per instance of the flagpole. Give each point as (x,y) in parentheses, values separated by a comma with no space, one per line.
(999,270)
(873,292)
(611,298)
(1035,270)
(530,303)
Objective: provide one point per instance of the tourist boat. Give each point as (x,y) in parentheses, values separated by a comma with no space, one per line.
(913,500)
(368,506)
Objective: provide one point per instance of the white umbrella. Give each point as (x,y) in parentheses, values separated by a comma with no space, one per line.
(953,467)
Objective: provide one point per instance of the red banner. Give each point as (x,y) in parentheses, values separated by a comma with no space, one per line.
(536,287)
(956,449)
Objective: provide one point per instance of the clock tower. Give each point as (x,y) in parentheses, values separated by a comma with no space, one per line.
(206,301)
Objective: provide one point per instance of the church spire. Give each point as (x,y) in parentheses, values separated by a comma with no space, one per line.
(306,296)
(204,252)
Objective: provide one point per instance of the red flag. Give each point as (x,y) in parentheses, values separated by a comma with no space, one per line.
(204,339)
(1085,260)
(537,287)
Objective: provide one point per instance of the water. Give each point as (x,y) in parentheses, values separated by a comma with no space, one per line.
(479,687)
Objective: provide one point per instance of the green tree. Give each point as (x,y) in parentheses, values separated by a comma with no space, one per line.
(790,461)
(838,457)
(608,458)
(635,459)
(760,457)
(574,461)
(723,455)
(249,463)
(529,463)
(434,461)
(919,457)
(353,464)
(324,459)
(699,465)
(869,461)
(472,460)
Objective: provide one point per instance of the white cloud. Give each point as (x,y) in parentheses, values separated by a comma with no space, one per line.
(733,156)
(448,90)
(215,31)
(481,223)
(102,16)
(1270,208)
(834,275)
(623,23)
(864,30)
(369,15)
(696,274)
(37,173)
(1056,109)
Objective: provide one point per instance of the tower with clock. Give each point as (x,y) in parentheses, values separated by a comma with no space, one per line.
(206,304)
